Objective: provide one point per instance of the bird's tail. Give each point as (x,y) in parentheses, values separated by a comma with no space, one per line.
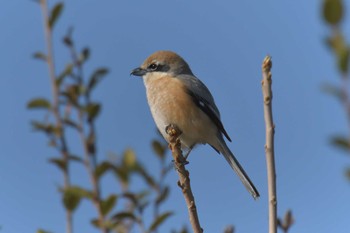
(230,158)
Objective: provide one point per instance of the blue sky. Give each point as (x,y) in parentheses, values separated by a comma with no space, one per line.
(224,42)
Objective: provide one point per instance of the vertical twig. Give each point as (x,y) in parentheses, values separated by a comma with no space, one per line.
(88,140)
(269,146)
(184,179)
(55,106)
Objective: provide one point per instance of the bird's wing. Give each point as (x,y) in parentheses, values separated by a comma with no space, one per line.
(203,99)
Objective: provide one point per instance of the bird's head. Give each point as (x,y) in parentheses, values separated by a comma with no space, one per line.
(165,62)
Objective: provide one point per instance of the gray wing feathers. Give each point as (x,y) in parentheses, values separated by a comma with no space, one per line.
(204,100)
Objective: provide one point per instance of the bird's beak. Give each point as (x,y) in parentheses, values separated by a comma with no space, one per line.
(138,72)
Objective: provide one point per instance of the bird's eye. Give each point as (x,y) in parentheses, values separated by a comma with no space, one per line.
(153,66)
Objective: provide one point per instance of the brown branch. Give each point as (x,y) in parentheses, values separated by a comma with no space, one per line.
(88,140)
(184,179)
(55,106)
(269,146)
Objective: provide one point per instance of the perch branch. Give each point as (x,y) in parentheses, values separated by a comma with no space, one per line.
(184,179)
(269,146)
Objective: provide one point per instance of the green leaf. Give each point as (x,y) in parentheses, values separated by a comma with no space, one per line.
(163,195)
(96,78)
(72,93)
(129,158)
(336,42)
(101,169)
(108,204)
(67,71)
(131,196)
(73,195)
(71,200)
(40,56)
(92,109)
(38,103)
(343,61)
(341,142)
(55,14)
(158,221)
(333,11)
(60,163)
(122,173)
(47,128)
(123,215)
(159,149)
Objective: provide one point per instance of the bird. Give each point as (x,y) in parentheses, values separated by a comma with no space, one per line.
(177,97)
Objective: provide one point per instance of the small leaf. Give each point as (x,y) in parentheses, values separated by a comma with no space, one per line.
(288,219)
(73,195)
(131,196)
(333,11)
(122,174)
(40,56)
(60,163)
(38,103)
(47,128)
(108,204)
(159,149)
(101,169)
(341,142)
(55,14)
(67,39)
(336,42)
(67,71)
(163,195)
(85,54)
(96,77)
(71,200)
(123,215)
(93,109)
(343,61)
(158,221)
(129,158)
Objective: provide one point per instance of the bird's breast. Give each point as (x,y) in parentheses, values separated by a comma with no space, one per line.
(171,104)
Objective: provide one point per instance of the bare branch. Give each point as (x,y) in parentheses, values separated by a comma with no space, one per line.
(269,146)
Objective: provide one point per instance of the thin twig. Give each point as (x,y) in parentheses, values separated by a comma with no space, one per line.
(55,106)
(269,146)
(88,139)
(184,179)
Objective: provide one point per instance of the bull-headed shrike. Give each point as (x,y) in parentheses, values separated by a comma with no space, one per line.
(175,96)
